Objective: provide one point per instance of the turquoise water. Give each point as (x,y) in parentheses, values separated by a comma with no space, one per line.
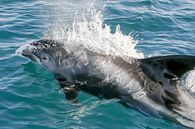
(30,96)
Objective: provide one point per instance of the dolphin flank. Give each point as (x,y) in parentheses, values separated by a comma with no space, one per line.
(150,85)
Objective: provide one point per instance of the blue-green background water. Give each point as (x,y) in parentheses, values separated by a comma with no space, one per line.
(29,95)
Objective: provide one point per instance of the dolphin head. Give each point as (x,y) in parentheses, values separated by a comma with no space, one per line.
(47,52)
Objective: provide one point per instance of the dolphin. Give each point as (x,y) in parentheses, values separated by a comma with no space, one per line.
(150,85)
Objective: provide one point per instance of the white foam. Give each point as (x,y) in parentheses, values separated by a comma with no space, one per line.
(88,31)
(190,81)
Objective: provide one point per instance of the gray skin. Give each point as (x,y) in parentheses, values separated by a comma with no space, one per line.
(151,85)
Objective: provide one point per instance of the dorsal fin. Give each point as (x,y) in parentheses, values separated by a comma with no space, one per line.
(174,65)
(165,71)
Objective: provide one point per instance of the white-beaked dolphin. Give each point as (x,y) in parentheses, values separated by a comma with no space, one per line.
(149,85)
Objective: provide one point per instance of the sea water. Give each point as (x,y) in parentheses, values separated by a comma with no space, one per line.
(29,95)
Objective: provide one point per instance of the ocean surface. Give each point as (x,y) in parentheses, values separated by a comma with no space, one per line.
(29,95)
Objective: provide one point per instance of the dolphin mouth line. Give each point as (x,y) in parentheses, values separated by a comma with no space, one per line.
(31,56)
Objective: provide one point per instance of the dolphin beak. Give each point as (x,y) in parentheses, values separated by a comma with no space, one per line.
(28,51)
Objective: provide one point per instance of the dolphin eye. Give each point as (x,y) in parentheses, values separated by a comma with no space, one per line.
(44,58)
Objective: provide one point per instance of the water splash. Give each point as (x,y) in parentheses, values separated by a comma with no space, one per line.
(88,31)
(190,82)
